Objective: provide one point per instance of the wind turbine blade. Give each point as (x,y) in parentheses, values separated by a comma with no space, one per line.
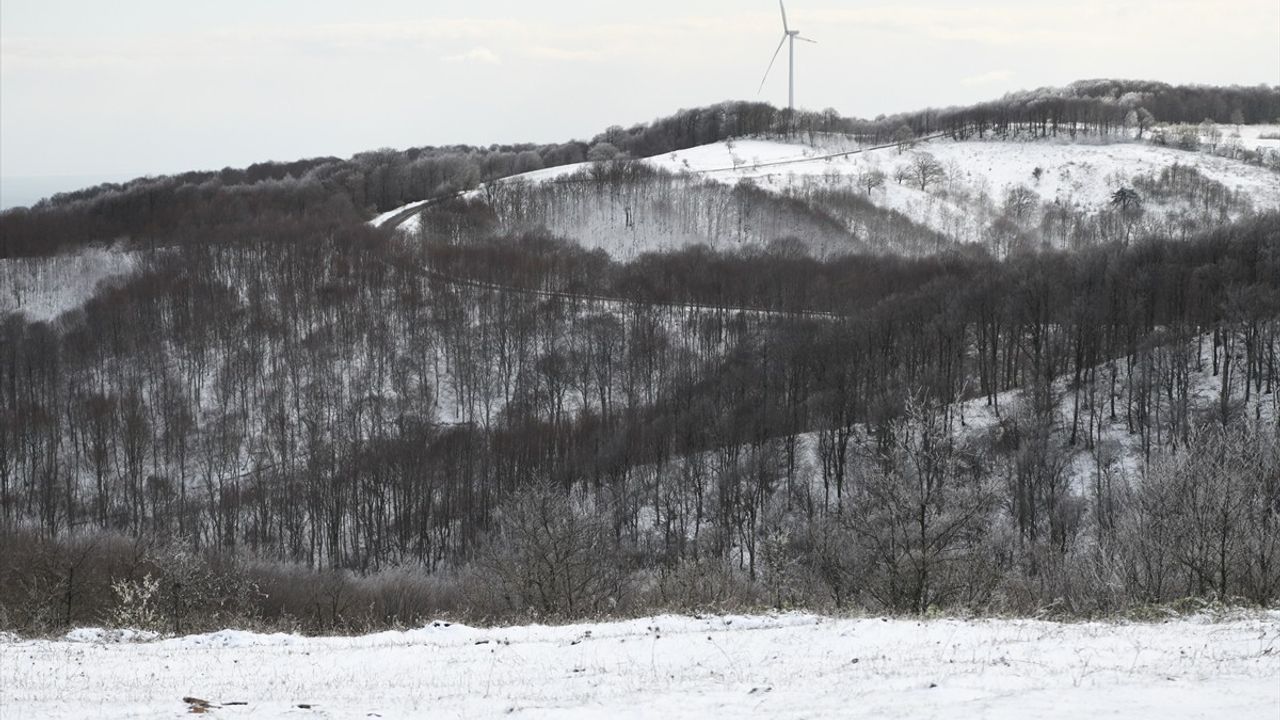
(782,7)
(771,61)
(815,42)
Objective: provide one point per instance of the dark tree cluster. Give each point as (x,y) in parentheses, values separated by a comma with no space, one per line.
(625,208)
(1091,107)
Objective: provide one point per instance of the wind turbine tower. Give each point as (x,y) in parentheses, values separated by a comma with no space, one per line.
(790,37)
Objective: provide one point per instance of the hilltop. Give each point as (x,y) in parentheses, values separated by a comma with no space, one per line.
(1000,193)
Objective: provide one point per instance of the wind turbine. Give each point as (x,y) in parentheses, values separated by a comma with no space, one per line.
(788,36)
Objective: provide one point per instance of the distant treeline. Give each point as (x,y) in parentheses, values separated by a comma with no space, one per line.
(1090,107)
(162,209)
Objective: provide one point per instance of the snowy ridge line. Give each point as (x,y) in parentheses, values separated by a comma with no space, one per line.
(739,168)
(397,217)
(742,167)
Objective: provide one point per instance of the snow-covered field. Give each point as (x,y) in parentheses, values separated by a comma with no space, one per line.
(787,666)
(1256,137)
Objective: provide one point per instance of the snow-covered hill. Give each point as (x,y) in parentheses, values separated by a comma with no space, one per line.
(978,176)
(1076,172)
(1050,190)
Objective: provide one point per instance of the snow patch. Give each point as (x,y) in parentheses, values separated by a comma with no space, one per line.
(42,288)
(382,219)
(111,636)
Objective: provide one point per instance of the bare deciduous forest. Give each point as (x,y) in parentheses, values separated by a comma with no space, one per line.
(288,417)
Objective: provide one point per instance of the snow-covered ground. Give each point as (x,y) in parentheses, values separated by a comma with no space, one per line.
(1080,175)
(42,288)
(787,666)
(380,220)
(1255,137)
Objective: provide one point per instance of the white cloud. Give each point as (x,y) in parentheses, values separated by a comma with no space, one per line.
(239,79)
(987,78)
(543,52)
(478,55)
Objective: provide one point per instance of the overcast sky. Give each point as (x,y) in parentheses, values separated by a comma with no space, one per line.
(134,87)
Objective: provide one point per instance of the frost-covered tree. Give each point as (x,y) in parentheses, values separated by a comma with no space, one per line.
(550,556)
(870,179)
(1142,120)
(1210,134)
(602,152)
(922,507)
(925,170)
(904,137)
(1019,202)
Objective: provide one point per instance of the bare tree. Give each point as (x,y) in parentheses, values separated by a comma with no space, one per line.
(548,555)
(870,179)
(925,170)
(904,137)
